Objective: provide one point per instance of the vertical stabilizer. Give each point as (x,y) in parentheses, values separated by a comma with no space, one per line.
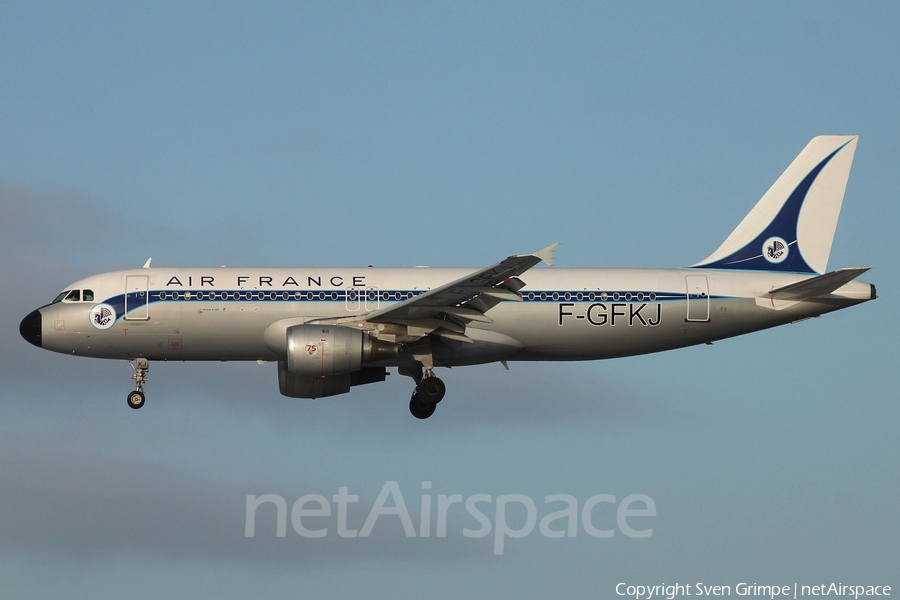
(792,226)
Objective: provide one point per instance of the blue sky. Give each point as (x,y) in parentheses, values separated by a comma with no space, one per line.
(447,134)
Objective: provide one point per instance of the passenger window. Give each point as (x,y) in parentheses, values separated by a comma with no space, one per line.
(88,296)
(74,296)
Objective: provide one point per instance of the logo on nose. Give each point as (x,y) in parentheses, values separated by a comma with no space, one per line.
(103,316)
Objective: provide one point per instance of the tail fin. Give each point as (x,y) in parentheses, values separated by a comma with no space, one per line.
(792,226)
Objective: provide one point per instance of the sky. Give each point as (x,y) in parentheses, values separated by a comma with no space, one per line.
(442,134)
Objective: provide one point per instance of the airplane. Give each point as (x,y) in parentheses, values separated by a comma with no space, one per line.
(331,329)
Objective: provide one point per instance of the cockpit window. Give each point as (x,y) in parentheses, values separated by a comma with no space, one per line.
(75,296)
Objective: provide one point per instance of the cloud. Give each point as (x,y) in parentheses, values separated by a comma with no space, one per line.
(46,227)
(478,397)
(50,237)
(86,506)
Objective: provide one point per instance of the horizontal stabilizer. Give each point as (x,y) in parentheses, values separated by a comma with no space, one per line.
(817,286)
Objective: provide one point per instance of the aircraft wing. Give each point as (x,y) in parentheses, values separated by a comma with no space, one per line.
(445,310)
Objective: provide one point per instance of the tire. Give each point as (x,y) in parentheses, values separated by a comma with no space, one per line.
(419,409)
(136,399)
(431,390)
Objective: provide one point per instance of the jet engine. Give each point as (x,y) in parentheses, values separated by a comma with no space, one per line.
(326,360)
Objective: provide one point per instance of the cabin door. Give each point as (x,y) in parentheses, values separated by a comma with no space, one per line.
(137,298)
(697,298)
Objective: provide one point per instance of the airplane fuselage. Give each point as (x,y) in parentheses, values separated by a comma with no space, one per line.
(223,314)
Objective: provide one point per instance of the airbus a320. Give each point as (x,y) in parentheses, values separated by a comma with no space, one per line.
(331,329)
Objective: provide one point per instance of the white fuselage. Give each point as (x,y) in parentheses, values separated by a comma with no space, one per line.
(566,314)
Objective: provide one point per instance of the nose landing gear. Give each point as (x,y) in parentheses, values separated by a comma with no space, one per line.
(141,366)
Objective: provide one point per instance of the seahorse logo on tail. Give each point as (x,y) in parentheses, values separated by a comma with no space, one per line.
(775,250)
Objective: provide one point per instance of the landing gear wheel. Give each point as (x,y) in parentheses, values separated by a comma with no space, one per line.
(431,390)
(419,409)
(136,399)
(141,366)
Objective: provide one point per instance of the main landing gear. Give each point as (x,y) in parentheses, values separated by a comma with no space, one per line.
(141,366)
(429,392)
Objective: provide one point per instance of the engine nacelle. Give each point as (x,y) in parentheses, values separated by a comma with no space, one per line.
(309,386)
(326,360)
(326,350)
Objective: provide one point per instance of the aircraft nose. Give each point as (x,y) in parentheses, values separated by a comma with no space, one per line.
(30,328)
